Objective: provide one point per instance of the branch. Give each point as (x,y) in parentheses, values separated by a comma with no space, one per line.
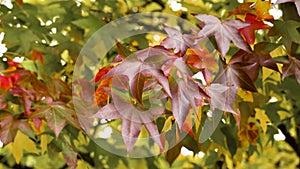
(289,139)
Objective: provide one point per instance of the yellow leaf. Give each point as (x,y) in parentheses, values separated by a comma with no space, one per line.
(167,125)
(245,95)
(22,142)
(262,9)
(45,139)
(198,119)
(266,73)
(263,118)
(44,143)
(82,165)
(280,51)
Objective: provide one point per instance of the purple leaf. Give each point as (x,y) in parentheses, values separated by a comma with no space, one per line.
(107,112)
(154,134)
(222,97)
(224,32)
(233,74)
(174,40)
(130,132)
(185,91)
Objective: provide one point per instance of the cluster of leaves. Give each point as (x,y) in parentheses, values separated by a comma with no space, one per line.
(37,118)
(171,67)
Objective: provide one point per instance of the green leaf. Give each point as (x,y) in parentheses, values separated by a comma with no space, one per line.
(91,22)
(230,139)
(288,31)
(57,116)
(70,155)
(123,51)
(210,125)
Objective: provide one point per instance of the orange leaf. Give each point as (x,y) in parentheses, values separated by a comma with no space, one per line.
(101,95)
(20,3)
(262,10)
(242,9)
(36,55)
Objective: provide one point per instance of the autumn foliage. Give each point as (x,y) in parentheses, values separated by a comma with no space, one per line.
(230,85)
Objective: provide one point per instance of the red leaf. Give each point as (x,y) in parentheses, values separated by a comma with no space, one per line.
(180,105)
(248,31)
(224,32)
(154,134)
(101,73)
(201,59)
(130,133)
(37,124)
(36,55)
(107,112)
(7,82)
(4,82)
(13,64)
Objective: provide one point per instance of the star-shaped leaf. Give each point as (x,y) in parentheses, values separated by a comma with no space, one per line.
(222,97)
(251,62)
(248,31)
(57,116)
(146,62)
(184,89)
(131,127)
(287,30)
(174,40)
(233,74)
(224,32)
